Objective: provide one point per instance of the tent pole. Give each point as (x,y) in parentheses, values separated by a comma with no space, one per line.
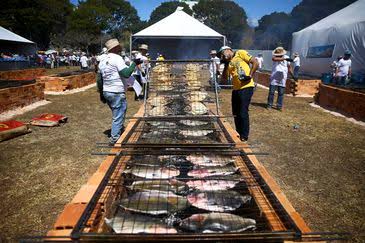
(130,47)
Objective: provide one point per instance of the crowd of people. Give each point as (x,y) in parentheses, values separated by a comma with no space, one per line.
(55,60)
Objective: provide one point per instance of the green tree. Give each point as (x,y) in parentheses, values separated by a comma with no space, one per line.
(226,17)
(36,20)
(166,9)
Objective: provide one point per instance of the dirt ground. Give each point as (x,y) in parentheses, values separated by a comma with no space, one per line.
(319,166)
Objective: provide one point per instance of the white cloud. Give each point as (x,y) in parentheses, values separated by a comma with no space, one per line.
(253,22)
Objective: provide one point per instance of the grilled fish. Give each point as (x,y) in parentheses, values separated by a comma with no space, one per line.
(197,96)
(127,223)
(196,108)
(157,134)
(162,124)
(152,161)
(154,202)
(149,172)
(193,123)
(171,185)
(196,133)
(218,201)
(217,223)
(158,101)
(158,111)
(210,160)
(202,172)
(212,184)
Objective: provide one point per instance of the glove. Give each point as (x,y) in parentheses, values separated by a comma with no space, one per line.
(138,61)
(289,60)
(218,73)
(102,99)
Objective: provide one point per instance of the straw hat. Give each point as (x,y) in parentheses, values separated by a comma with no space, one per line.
(212,52)
(110,44)
(296,54)
(279,51)
(143,47)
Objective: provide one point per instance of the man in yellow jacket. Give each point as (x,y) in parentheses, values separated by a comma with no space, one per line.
(237,65)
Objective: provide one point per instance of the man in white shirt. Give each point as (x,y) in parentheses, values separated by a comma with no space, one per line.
(260,61)
(84,62)
(343,70)
(214,67)
(296,65)
(279,74)
(112,85)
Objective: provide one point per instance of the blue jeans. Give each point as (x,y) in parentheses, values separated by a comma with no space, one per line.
(296,71)
(270,99)
(117,102)
(241,100)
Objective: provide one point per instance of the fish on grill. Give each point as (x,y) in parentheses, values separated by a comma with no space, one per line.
(154,202)
(208,171)
(210,160)
(127,223)
(212,184)
(218,201)
(157,134)
(159,111)
(158,101)
(196,108)
(195,133)
(193,123)
(164,87)
(163,124)
(153,160)
(217,223)
(150,172)
(171,185)
(196,96)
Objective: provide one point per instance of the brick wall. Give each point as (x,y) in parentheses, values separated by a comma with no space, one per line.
(59,84)
(26,74)
(301,87)
(347,102)
(11,98)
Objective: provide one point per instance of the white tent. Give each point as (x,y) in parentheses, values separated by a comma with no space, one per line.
(177,34)
(13,43)
(319,44)
(7,35)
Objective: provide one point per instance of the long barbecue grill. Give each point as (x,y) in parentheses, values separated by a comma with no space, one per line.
(177,175)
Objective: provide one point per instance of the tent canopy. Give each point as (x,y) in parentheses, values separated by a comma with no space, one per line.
(7,35)
(178,24)
(179,36)
(319,44)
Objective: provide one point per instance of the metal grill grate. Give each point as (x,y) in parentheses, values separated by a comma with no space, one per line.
(178,132)
(160,195)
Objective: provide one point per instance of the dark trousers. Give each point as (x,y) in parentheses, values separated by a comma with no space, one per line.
(241,100)
(138,78)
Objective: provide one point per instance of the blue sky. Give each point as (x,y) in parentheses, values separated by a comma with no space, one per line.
(255,9)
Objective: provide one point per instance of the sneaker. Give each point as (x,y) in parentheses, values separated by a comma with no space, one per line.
(111,143)
(268,107)
(279,109)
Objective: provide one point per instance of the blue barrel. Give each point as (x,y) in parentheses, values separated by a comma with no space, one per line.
(326,78)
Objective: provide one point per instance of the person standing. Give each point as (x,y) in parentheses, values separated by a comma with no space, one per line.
(84,62)
(237,65)
(343,70)
(112,85)
(296,62)
(214,67)
(260,61)
(279,74)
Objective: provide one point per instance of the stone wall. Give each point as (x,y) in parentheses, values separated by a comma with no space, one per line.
(348,102)
(301,87)
(25,74)
(59,84)
(15,97)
